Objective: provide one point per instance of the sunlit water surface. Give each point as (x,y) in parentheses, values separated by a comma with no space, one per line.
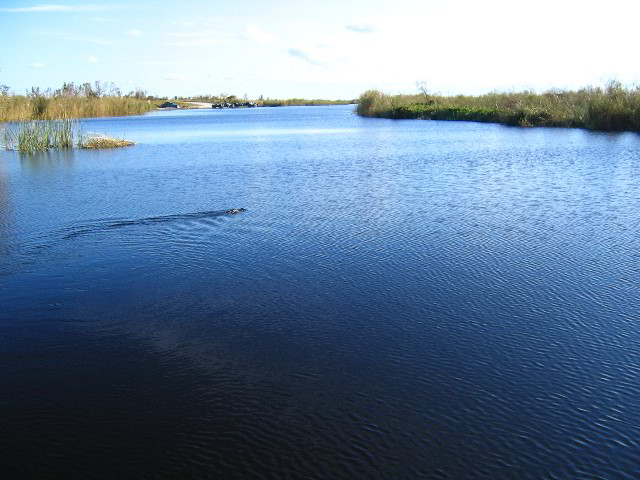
(401,299)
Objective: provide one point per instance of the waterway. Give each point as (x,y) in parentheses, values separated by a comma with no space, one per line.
(400,299)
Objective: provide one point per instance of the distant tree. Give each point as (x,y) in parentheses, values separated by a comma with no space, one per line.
(99,89)
(88,91)
(67,90)
(113,90)
(422,87)
(34,92)
(4,90)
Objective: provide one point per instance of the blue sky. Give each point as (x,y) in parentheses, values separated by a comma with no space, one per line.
(318,49)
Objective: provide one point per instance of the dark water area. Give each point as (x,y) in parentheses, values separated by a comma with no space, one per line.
(400,299)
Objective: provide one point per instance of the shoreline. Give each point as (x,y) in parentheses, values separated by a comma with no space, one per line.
(612,109)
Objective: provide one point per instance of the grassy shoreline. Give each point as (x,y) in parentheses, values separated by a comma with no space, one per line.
(302,102)
(612,108)
(17,108)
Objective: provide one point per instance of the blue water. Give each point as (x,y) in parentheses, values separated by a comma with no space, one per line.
(401,299)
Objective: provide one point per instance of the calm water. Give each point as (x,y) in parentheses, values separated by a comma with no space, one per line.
(401,299)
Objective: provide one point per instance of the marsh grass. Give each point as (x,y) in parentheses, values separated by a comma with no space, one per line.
(302,102)
(39,135)
(612,108)
(17,108)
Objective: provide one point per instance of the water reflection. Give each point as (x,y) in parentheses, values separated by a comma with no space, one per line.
(5,214)
(48,159)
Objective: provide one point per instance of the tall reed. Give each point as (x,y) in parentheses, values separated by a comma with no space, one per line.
(16,108)
(39,135)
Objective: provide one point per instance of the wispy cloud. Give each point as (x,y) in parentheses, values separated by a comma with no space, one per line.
(164,62)
(302,55)
(194,34)
(361,28)
(52,8)
(174,76)
(196,38)
(134,33)
(72,37)
(184,24)
(198,42)
(258,35)
(92,59)
(38,65)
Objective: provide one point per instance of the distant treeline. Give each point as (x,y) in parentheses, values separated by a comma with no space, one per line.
(612,108)
(262,102)
(73,101)
(303,102)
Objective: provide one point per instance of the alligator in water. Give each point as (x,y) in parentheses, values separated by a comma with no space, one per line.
(233,211)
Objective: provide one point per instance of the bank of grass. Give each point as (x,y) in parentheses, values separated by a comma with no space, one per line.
(302,102)
(18,108)
(612,108)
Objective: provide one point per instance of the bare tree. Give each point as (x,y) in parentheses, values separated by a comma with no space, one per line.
(422,87)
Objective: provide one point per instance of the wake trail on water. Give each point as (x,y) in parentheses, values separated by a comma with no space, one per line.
(25,253)
(90,228)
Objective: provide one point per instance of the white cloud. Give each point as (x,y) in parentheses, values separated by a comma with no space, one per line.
(198,42)
(174,76)
(302,55)
(38,65)
(52,8)
(92,59)
(134,33)
(258,35)
(195,34)
(198,38)
(72,37)
(184,24)
(361,28)
(164,62)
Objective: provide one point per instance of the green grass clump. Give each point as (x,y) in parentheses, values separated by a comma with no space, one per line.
(613,108)
(39,135)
